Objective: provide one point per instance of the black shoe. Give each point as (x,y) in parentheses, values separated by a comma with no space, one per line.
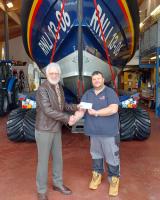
(42,196)
(63,189)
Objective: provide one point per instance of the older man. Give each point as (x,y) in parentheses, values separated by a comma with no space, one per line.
(49,119)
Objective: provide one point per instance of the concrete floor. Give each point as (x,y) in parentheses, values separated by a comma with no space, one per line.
(140,168)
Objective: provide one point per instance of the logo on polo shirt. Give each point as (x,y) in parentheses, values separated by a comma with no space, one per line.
(102,97)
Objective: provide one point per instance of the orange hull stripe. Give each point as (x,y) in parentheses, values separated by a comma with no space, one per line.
(35,7)
(128,18)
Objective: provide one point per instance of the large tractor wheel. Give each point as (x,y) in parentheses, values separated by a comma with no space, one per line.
(134,124)
(142,124)
(29,125)
(127,129)
(15,125)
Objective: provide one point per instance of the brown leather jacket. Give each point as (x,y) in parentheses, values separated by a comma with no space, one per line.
(49,117)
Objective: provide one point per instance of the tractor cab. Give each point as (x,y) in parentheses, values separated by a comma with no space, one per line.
(8,87)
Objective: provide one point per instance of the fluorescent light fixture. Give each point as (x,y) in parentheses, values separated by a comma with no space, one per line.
(3,56)
(153,58)
(9,4)
(141,24)
(155,11)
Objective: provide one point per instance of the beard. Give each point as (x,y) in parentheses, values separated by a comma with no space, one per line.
(53,82)
(99,87)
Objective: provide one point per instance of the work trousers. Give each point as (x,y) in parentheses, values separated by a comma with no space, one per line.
(106,149)
(48,143)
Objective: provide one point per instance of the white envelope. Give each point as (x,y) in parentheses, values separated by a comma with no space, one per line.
(86,105)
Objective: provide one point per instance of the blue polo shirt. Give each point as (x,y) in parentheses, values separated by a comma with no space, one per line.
(103,126)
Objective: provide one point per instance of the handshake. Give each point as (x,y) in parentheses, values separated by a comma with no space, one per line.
(82,108)
(77,115)
(74,118)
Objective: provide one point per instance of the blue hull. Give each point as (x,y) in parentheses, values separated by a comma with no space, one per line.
(80,48)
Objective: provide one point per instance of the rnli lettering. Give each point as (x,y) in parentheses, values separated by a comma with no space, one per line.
(65,20)
(52,29)
(114,44)
(46,41)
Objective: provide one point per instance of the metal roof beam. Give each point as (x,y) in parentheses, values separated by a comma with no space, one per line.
(12,15)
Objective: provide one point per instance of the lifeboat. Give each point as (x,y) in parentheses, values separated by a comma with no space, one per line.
(76,34)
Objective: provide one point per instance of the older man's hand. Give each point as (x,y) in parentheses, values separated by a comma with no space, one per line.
(72,120)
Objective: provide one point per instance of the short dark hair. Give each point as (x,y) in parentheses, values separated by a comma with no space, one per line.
(96,73)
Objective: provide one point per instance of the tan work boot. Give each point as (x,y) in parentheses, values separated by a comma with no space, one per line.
(114,186)
(96,180)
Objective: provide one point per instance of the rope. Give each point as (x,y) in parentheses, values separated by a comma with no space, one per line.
(58,30)
(78,88)
(55,43)
(104,43)
(105,47)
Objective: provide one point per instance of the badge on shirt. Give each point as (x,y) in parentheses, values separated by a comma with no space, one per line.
(102,98)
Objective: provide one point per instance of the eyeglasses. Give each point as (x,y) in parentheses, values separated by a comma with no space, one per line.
(56,74)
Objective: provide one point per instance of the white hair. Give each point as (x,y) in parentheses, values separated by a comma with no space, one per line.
(53,65)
